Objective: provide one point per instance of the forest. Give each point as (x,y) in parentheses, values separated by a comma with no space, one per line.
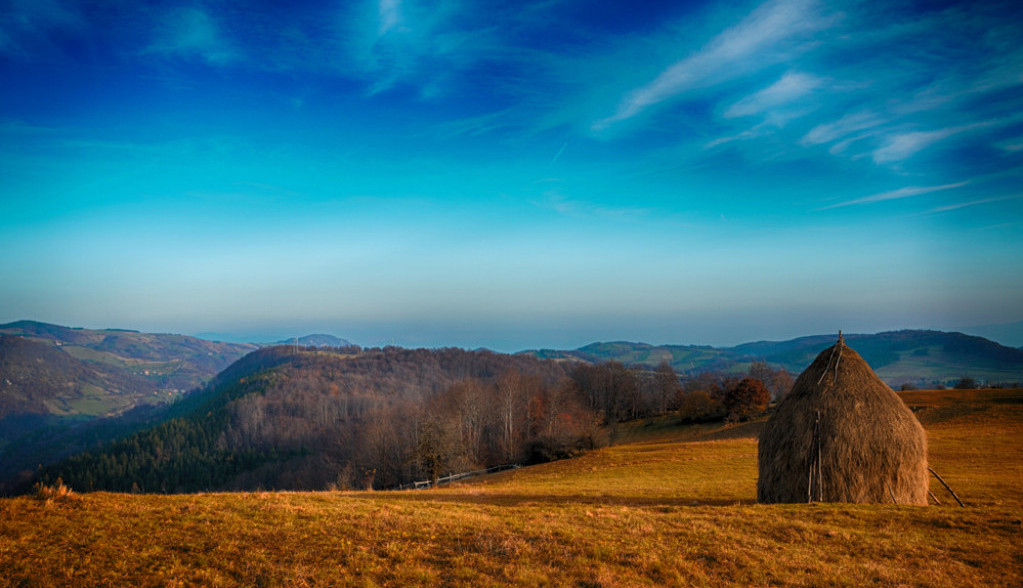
(290,417)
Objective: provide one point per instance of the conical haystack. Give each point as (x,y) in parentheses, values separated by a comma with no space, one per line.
(842,435)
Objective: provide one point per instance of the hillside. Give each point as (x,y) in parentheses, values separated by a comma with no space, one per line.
(923,358)
(906,356)
(42,379)
(673,505)
(299,418)
(54,379)
(170,362)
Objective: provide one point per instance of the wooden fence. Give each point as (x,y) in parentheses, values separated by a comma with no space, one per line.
(455,477)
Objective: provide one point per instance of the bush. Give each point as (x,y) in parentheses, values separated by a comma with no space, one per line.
(700,406)
(966,384)
(551,448)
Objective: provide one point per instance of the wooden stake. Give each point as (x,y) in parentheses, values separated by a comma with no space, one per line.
(950,491)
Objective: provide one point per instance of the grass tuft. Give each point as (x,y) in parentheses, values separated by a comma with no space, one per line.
(58,493)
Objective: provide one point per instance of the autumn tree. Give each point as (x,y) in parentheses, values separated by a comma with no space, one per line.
(778,381)
(747,398)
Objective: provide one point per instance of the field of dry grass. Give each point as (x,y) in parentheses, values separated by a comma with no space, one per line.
(668,505)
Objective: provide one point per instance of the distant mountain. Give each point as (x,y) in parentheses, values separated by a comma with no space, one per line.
(318,340)
(684,358)
(170,362)
(919,357)
(54,377)
(1009,334)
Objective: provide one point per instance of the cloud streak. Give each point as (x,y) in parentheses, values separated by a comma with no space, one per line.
(193,34)
(982,201)
(745,46)
(904,145)
(790,87)
(896,195)
(390,15)
(847,125)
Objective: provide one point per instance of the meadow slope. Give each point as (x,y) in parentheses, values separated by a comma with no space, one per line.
(667,505)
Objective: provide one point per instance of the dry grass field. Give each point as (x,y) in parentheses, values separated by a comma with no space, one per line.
(666,505)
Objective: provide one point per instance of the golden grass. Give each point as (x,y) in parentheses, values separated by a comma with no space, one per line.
(668,507)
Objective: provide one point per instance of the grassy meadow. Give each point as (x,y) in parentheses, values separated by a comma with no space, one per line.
(666,505)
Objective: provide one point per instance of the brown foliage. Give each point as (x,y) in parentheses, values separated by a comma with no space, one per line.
(700,406)
(745,399)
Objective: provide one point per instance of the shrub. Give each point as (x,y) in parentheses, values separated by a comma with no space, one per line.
(699,406)
(966,384)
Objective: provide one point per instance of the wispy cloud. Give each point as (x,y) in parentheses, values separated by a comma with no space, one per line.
(407,42)
(389,15)
(192,33)
(848,124)
(791,86)
(1012,145)
(27,26)
(577,208)
(901,146)
(897,194)
(556,157)
(745,46)
(982,201)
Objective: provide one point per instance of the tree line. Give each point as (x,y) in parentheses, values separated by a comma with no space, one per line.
(351,418)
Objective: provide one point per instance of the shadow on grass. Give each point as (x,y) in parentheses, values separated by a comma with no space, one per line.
(519,499)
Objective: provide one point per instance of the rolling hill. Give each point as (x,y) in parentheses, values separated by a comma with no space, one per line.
(170,362)
(291,417)
(54,378)
(924,358)
(317,340)
(280,404)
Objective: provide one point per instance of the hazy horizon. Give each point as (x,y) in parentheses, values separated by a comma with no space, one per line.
(525,338)
(511,176)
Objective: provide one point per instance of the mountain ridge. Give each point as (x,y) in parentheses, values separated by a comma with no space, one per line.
(911,356)
(316,340)
(115,361)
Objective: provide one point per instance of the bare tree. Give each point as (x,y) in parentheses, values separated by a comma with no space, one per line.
(666,388)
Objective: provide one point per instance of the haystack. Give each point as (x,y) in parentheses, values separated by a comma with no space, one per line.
(842,435)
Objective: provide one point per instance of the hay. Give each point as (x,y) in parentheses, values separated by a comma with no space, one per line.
(842,435)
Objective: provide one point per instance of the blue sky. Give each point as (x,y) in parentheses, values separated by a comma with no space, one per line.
(511,175)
